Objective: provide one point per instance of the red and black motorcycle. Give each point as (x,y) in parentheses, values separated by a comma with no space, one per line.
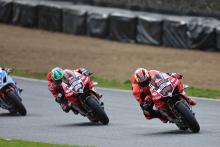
(10,95)
(82,98)
(169,99)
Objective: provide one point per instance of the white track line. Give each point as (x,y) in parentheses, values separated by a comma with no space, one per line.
(108,89)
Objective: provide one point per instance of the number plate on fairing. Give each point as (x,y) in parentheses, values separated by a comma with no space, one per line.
(77,85)
(164,87)
(167,91)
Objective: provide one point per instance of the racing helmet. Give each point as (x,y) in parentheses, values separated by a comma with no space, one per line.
(57,75)
(142,77)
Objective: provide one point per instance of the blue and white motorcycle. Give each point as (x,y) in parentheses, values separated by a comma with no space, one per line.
(10,95)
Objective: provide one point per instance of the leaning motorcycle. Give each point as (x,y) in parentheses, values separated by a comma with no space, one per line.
(169,99)
(83,99)
(10,95)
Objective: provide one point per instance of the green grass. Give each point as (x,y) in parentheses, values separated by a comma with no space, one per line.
(199,92)
(112,83)
(28,74)
(192,91)
(21,143)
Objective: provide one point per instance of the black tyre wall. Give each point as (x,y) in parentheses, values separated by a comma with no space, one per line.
(123,27)
(117,24)
(5,11)
(174,34)
(25,13)
(97,24)
(218,38)
(74,21)
(201,34)
(50,17)
(149,30)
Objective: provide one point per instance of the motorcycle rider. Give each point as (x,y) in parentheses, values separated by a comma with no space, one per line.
(7,70)
(55,77)
(141,90)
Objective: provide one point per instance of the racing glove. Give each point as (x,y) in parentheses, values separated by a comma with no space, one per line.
(66,108)
(146,106)
(59,98)
(63,102)
(180,76)
(148,110)
(176,75)
(85,72)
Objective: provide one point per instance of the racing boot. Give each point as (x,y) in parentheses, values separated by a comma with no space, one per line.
(66,108)
(20,90)
(147,115)
(155,114)
(163,119)
(160,116)
(75,111)
(63,102)
(99,95)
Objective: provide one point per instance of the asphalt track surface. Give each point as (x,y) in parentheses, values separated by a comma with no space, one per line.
(46,122)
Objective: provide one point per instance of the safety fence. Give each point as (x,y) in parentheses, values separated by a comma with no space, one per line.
(117,24)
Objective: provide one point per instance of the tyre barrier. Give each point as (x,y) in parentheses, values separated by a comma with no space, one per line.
(97,24)
(117,24)
(74,21)
(149,29)
(5,11)
(49,16)
(201,33)
(24,13)
(174,34)
(122,27)
(218,38)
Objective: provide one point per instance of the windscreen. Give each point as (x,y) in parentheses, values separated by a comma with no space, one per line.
(162,85)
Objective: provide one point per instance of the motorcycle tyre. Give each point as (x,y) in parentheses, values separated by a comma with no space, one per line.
(98,111)
(188,116)
(15,100)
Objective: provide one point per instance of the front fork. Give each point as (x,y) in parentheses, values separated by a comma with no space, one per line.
(179,119)
(169,110)
(87,111)
(166,111)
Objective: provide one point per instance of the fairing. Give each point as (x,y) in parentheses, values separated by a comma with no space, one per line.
(163,86)
(77,84)
(5,79)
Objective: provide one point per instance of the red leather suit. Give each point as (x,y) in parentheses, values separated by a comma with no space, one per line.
(143,93)
(56,89)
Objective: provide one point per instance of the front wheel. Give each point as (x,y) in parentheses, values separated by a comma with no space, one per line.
(182,127)
(188,117)
(15,101)
(98,111)
(94,120)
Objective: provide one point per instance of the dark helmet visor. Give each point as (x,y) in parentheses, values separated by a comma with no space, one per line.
(144,84)
(58,82)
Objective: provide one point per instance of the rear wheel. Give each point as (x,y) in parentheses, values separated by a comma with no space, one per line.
(15,100)
(98,111)
(188,117)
